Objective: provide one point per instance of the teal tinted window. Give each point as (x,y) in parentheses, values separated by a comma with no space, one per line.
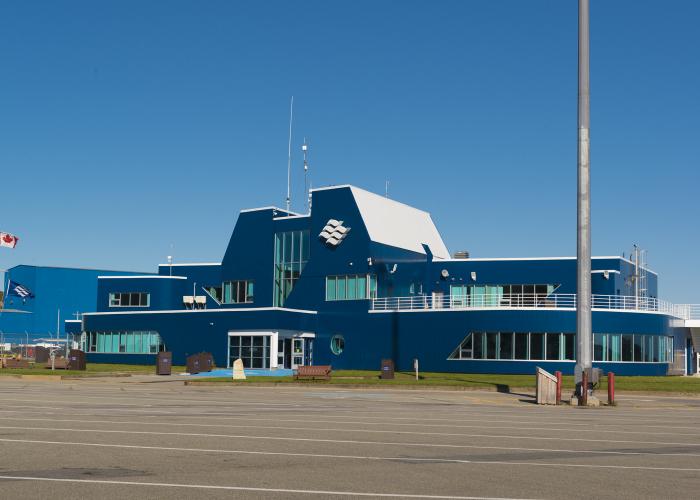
(342,290)
(362,287)
(337,344)
(238,292)
(129,342)
(351,287)
(292,249)
(330,287)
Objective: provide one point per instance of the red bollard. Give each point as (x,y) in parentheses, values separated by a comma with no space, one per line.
(558,375)
(611,388)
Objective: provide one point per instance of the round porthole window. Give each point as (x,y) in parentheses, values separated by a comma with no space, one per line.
(337,344)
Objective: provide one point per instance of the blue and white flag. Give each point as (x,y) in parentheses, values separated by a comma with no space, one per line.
(18,290)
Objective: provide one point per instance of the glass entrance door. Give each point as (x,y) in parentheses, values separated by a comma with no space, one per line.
(297,352)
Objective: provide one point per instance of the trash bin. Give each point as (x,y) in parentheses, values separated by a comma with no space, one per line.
(206,362)
(164,363)
(76,360)
(546,388)
(193,364)
(387,369)
(41,354)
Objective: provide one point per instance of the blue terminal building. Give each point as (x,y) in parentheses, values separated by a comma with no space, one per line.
(362,278)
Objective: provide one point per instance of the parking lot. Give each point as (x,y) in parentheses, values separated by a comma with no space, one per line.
(147,438)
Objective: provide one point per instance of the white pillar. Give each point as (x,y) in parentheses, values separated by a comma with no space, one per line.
(273,350)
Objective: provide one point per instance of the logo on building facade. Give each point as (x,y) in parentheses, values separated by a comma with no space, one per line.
(334,232)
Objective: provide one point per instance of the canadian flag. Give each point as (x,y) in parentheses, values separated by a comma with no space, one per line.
(8,240)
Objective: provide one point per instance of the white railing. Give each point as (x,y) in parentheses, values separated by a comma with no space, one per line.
(533,301)
(687,311)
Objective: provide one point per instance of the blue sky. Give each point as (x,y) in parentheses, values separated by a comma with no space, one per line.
(128,126)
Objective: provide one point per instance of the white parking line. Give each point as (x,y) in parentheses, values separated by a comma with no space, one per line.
(251,488)
(345,429)
(355,457)
(352,441)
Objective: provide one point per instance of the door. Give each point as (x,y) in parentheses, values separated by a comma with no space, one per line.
(297,352)
(281,359)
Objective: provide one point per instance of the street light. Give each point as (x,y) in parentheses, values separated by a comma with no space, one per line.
(583,234)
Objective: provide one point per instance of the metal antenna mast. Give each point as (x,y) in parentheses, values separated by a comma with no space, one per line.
(305,149)
(289,155)
(583,240)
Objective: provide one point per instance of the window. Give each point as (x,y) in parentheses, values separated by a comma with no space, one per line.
(129,299)
(351,287)
(632,348)
(238,292)
(128,342)
(521,344)
(569,347)
(553,346)
(492,346)
(506,346)
(499,295)
(627,347)
(291,255)
(253,350)
(478,345)
(537,346)
(337,344)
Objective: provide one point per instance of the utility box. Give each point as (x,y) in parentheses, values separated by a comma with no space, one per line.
(193,364)
(41,354)
(76,360)
(387,369)
(546,388)
(593,375)
(164,363)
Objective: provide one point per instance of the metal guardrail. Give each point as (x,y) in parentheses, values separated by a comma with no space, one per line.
(533,301)
(687,311)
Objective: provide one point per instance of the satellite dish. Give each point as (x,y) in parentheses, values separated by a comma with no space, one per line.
(445,274)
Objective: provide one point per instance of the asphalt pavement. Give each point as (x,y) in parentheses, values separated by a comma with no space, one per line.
(149,437)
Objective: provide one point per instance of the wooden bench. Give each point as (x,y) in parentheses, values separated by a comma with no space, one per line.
(60,363)
(313,372)
(16,363)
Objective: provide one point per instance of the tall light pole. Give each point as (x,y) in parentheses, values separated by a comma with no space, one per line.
(583,235)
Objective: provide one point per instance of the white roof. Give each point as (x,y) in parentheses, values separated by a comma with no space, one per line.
(395,224)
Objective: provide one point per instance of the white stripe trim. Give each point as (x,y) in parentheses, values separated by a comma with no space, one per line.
(191,264)
(269,208)
(180,311)
(291,217)
(326,188)
(145,276)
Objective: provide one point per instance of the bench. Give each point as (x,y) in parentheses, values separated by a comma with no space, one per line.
(16,363)
(60,363)
(313,372)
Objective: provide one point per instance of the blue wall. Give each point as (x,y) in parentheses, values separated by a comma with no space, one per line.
(70,290)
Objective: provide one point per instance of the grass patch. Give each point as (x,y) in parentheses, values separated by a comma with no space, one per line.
(504,383)
(91,369)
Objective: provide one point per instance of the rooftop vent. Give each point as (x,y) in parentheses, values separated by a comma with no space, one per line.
(461,254)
